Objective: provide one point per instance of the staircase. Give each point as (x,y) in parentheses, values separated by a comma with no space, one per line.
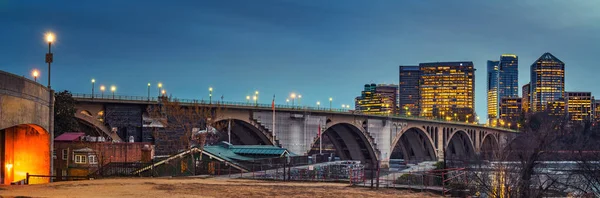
(265,130)
(99,125)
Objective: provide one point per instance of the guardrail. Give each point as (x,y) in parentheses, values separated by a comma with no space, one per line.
(277,106)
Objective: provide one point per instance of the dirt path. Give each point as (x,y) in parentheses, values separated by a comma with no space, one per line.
(195,187)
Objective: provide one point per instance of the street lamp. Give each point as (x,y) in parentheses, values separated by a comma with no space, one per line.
(148,91)
(299,100)
(248,99)
(113,89)
(49,57)
(35,73)
(163,92)
(210,95)
(287,101)
(293,96)
(255,98)
(102,88)
(93,82)
(330,100)
(159,87)
(318,104)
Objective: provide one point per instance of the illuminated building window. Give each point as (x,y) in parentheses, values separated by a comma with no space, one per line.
(80,159)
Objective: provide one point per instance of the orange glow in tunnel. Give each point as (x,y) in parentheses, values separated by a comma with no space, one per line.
(25,149)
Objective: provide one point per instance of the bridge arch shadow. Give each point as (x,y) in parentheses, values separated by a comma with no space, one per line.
(242,133)
(459,146)
(489,147)
(347,141)
(25,149)
(413,145)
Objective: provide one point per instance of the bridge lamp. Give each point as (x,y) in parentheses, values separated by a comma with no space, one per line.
(210,89)
(255,98)
(318,104)
(93,82)
(247,99)
(113,89)
(293,96)
(50,37)
(163,92)
(287,101)
(300,100)
(159,87)
(330,100)
(35,73)
(102,88)
(148,91)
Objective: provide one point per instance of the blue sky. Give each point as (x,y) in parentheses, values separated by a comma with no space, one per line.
(319,49)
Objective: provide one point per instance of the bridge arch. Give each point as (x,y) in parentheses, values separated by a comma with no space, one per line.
(87,119)
(489,147)
(415,144)
(242,132)
(24,147)
(459,146)
(350,141)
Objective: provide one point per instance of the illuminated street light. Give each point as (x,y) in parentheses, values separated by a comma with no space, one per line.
(50,37)
(113,89)
(210,89)
(299,100)
(148,91)
(163,92)
(255,98)
(93,83)
(330,100)
(248,99)
(102,88)
(318,104)
(159,87)
(35,73)
(287,101)
(293,96)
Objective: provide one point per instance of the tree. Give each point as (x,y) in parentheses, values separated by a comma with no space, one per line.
(64,113)
(183,124)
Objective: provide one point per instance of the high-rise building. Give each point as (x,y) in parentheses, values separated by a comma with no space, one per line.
(508,76)
(547,81)
(377,99)
(556,107)
(447,90)
(597,110)
(492,89)
(510,111)
(580,106)
(409,96)
(526,97)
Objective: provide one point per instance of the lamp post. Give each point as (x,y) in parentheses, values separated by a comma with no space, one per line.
(248,99)
(455,117)
(159,87)
(93,84)
(113,89)
(330,100)
(318,104)
(255,98)
(163,92)
(299,100)
(293,96)
(49,57)
(35,73)
(102,88)
(210,95)
(148,91)
(287,101)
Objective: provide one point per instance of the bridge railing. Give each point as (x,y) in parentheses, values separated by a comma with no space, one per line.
(268,106)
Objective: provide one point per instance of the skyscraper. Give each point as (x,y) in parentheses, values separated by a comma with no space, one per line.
(580,106)
(408,102)
(526,97)
(492,89)
(547,82)
(447,90)
(508,76)
(377,99)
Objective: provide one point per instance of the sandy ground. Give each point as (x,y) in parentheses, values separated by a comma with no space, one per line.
(197,187)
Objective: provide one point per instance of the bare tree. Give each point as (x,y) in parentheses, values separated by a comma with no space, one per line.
(183,123)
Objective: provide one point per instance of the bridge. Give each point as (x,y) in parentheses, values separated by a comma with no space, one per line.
(354,136)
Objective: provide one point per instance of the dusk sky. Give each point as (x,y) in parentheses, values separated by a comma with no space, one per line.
(316,48)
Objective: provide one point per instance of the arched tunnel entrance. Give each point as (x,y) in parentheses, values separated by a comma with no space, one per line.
(242,133)
(459,147)
(413,146)
(346,142)
(489,148)
(24,149)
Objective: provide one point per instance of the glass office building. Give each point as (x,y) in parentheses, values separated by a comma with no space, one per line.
(409,96)
(580,106)
(547,82)
(492,89)
(508,76)
(447,90)
(526,97)
(377,99)
(510,111)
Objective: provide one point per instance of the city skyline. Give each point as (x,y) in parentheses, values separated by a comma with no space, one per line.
(263,59)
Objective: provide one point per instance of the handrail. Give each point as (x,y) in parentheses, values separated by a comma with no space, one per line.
(268,106)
